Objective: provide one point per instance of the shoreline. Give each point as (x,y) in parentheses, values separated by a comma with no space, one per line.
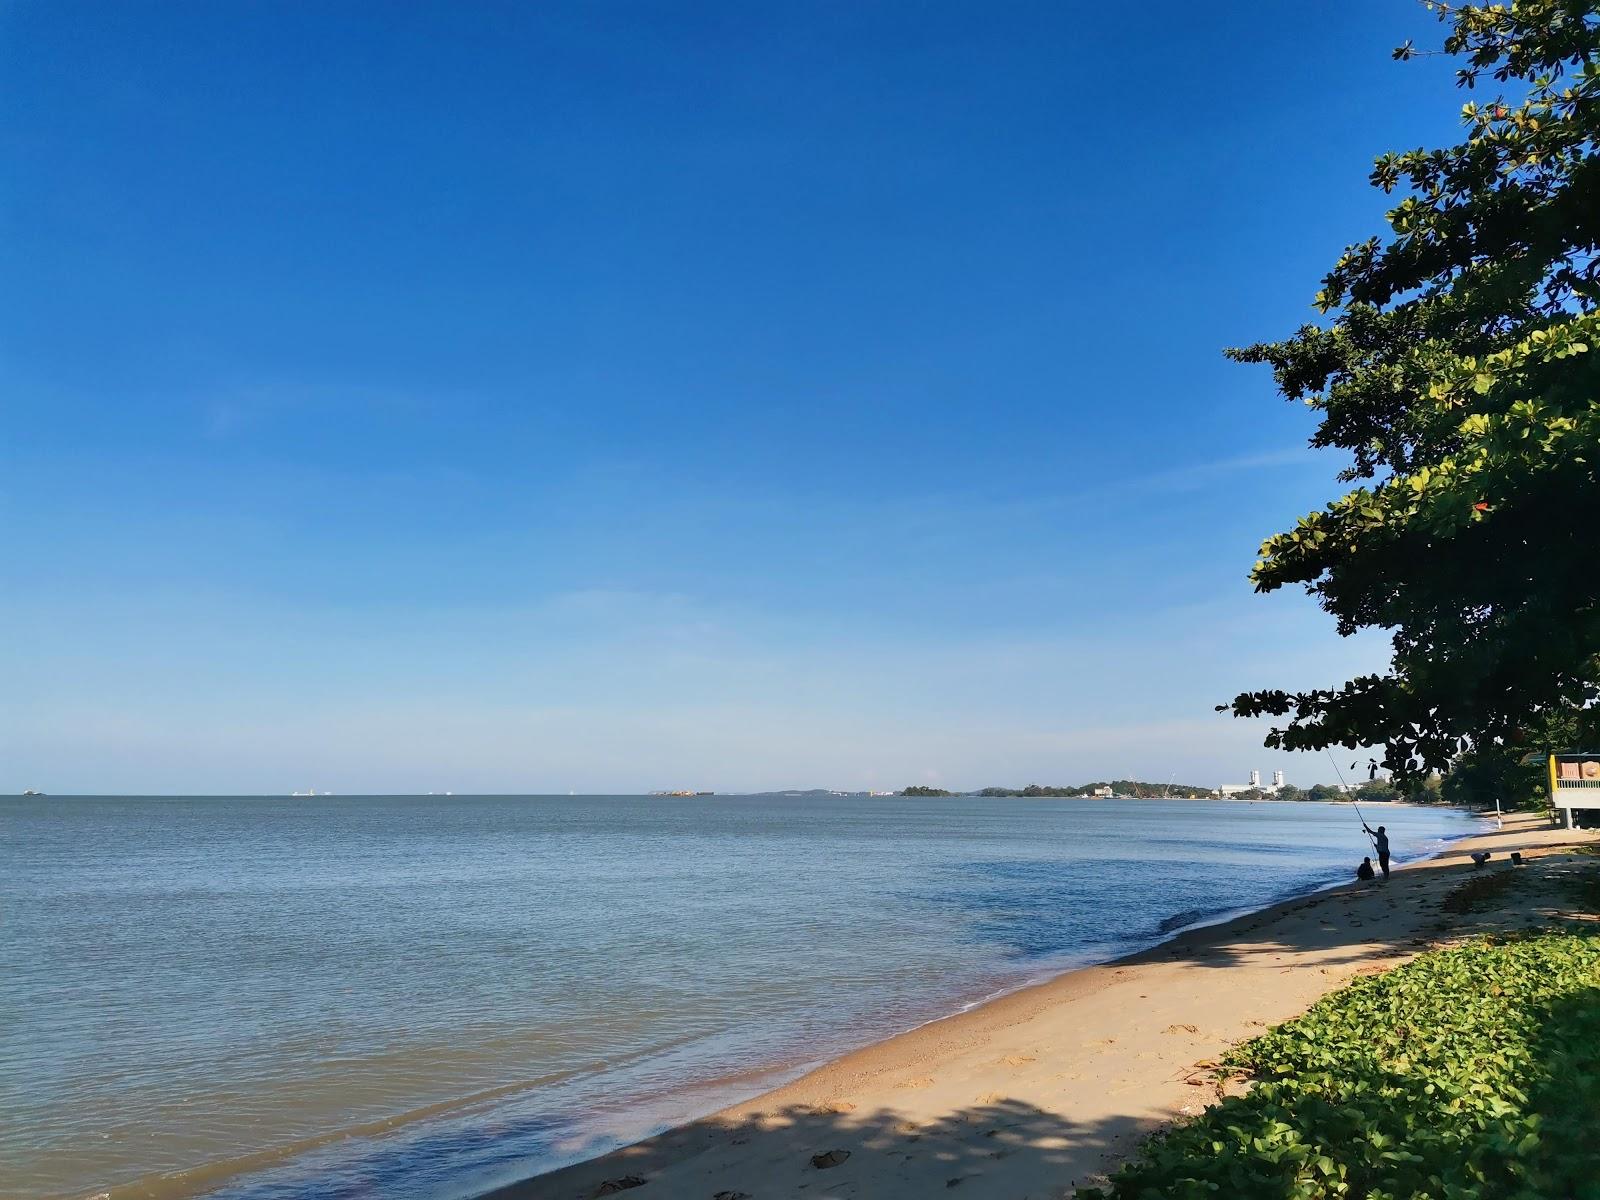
(544,1135)
(644,1121)
(925,1090)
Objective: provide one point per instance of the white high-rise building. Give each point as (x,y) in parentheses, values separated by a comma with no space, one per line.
(1233,789)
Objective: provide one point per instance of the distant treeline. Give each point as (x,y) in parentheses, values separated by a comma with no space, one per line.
(1119,787)
(1423,793)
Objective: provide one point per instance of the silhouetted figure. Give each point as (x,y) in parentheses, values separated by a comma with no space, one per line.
(1380,840)
(1365,871)
(1479,857)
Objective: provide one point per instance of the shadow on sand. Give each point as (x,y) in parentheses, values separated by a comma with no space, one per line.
(1005,1148)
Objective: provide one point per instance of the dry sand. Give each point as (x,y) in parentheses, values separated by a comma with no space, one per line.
(1045,1089)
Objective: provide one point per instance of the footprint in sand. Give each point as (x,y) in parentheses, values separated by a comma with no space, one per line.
(916,1083)
(1018,1060)
(989,1098)
(1181,1029)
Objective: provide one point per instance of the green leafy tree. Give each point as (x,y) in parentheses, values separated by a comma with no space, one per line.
(1377,791)
(1479,778)
(1459,365)
(1487,774)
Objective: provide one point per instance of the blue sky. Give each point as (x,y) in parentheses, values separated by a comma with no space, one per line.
(628,395)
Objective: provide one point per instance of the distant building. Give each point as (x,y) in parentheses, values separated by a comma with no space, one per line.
(1255,785)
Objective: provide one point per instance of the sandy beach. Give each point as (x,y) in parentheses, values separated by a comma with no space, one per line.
(1045,1089)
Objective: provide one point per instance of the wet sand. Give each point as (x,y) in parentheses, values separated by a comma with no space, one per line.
(1045,1089)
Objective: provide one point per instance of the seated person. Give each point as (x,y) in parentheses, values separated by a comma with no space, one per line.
(1364,871)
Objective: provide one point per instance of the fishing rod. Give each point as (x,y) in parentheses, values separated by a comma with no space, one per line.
(1359,815)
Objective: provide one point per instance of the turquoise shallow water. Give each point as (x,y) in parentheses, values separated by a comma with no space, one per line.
(478,988)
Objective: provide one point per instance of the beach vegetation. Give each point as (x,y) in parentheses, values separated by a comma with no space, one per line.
(1457,365)
(1468,1072)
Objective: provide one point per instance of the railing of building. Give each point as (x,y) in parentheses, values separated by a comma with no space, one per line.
(1575,781)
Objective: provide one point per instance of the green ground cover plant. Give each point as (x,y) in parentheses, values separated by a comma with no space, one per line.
(1472,1072)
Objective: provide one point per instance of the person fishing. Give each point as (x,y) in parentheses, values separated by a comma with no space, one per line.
(1380,843)
(1379,836)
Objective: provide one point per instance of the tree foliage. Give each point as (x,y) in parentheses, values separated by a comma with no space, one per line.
(1459,364)
(1481,777)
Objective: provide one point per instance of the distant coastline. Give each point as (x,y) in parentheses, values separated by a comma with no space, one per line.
(1375,792)
(1121,790)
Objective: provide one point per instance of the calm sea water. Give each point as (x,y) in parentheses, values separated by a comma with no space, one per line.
(421,997)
